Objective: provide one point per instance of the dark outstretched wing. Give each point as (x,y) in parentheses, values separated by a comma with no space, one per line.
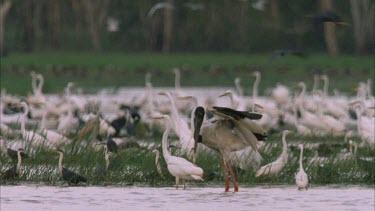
(237,115)
(72,177)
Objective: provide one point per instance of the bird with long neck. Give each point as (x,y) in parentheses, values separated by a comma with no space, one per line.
(237,82)
(325,84)
(316,83)
(229,131)
(275,167)
(177,166)
(34,82)
(180,127)
(41,83)
(365,125)
(31,136)
(19,160)
(237,102)
(14,171)
(107,154)
(61,157)
(66,174)
(256,85)
(37,98)
(177,79)
(302,180)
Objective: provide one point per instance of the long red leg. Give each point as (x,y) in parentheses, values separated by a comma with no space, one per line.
(233,178)
(225,175)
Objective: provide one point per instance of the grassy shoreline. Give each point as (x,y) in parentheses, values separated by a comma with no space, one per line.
(97,70)
(135,166)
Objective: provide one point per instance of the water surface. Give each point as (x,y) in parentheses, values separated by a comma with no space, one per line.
(33,197)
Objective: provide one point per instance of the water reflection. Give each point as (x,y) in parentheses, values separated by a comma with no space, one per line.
(32,197)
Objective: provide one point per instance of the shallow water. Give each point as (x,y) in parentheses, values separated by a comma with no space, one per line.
(33,197)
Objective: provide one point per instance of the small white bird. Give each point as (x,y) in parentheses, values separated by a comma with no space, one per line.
(275,167)
(302,180)
(177,166)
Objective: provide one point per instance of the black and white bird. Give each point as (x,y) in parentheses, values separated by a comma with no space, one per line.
(228,131)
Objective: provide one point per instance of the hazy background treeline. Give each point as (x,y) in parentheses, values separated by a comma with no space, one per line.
(190,26)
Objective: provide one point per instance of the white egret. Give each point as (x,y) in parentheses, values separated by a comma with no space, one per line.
(180,127)
(34,138)
(177,166)
(275,167)
(302,180)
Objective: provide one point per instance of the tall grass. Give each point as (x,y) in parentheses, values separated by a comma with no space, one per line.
(136,165)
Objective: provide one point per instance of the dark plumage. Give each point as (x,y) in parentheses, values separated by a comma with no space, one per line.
(118,124)
(11,173)
(238,114)
(112,146)
(66,174)
(328,16)
(72,177)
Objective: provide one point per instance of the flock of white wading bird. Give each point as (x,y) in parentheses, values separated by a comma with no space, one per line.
(229,123)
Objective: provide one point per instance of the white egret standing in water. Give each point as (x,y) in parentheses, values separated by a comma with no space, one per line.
(302,180)
(177,166)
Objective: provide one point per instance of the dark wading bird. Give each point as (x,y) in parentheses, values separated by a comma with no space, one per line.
(10,152)
(68,175)
(228,131)
(13,172)
(328,16)
(284,52)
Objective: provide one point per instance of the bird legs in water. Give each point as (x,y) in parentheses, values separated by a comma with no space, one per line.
(226,175)
(183,181)
(232,176)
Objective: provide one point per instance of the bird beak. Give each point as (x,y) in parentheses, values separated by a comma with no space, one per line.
(157,117)
(224,94)
(185,97)
(354,103)
(198,120)
(162,93)
(259,106)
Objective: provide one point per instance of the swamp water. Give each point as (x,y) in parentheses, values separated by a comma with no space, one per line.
(194,198)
